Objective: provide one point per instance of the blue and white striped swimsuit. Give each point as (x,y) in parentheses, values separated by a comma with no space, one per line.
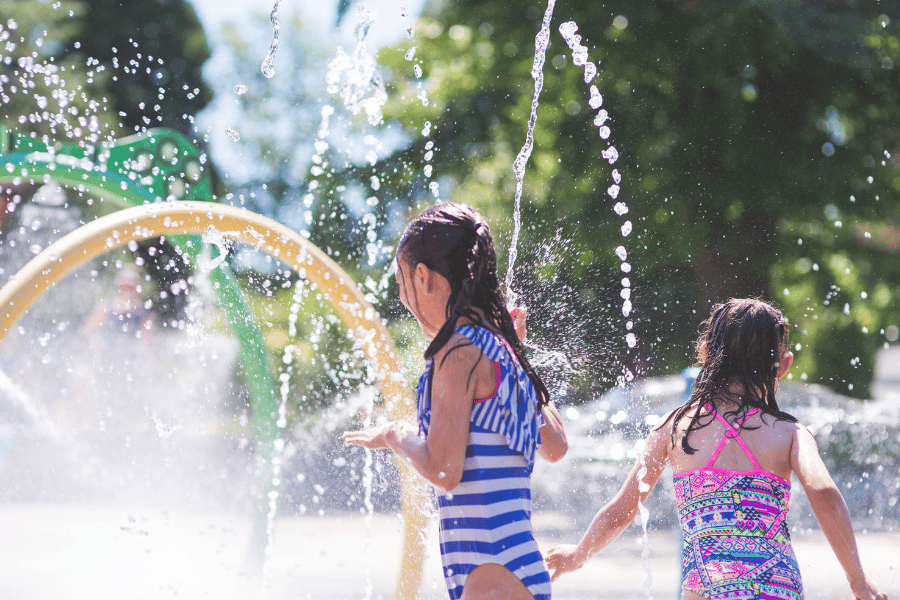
(487,517)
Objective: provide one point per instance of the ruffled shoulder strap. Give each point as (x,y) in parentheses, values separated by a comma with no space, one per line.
(423,399)
(512,411)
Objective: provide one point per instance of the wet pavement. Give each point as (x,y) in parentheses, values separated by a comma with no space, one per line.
(115,552)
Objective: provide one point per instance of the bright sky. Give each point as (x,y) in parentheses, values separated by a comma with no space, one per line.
(388,28)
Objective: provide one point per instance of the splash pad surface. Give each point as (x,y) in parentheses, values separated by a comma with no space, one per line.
(138,551)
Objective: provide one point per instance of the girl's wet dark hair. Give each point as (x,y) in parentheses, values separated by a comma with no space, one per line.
(740,346)
(454,241)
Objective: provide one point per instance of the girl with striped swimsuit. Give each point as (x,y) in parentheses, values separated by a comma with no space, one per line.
(732,452)
(483,413)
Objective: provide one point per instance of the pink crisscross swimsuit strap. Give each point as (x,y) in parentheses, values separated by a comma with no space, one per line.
(732,433)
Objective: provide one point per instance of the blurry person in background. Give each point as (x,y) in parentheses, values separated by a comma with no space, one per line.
(126,313)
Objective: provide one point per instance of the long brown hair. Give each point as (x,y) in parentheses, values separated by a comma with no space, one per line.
(740,345)
(454,241)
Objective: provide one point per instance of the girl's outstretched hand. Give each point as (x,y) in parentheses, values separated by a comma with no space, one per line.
(563,559)
(373,438)
(863,590)
(519,314)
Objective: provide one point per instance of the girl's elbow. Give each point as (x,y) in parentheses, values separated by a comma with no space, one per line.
(446,484)
(445,480)
(554,452)
(560,451)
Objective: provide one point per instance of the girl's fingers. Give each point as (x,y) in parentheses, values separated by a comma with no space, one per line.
(354,437)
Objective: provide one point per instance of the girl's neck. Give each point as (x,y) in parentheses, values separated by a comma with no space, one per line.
(465,320)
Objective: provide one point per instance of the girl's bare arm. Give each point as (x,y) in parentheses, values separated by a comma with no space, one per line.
(554,444)
(440,457)
(613,518)
(831,511)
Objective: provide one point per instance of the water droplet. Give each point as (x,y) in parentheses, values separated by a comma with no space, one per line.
(232,134)
(240,89)
(601,118)
(621,253)
(596,99)
(590,71)
(604,132)
(626,229)
(411,53)
(620,208)
(268,66)
(610,154)
(613,191)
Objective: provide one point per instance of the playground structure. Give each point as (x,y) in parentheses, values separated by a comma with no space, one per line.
(158,185)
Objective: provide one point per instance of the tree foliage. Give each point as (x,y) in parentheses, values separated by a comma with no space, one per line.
(156,49)
(757,159)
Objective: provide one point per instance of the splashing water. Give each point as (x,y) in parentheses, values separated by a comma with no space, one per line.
(428,169)
(34,411)
(541,41)
(611,154)
(268,64)
(644,487)
(367,478)
(164,427)
(216,238)
(355,77)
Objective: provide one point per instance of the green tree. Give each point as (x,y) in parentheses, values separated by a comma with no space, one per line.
(157,49)
(87,71)
(748,150)
(43,90)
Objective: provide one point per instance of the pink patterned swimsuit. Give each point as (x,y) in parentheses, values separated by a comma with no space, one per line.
(737,545)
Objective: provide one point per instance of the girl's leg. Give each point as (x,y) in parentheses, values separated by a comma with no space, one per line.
(492,581)
(689,595)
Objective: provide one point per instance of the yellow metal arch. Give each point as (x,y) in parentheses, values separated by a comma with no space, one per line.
(154,220)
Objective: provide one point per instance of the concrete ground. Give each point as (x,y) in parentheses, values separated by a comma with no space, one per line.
(131,552)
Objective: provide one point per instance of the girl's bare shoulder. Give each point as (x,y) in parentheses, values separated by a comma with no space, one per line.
(459,352)
(782,426)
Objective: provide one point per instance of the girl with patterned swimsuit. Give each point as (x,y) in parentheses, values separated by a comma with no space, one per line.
(483,413)
(732,453)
